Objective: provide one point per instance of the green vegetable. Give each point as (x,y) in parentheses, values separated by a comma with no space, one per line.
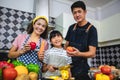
(0,73)
(33,68)
(17,63)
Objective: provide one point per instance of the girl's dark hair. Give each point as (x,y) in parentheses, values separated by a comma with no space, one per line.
(78,4)
(55,33)
(30,30)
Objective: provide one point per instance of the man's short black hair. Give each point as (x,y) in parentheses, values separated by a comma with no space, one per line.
(78,4)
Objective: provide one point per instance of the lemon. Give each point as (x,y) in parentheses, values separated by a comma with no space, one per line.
(21,70)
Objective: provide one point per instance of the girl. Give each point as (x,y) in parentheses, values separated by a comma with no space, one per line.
(56,56)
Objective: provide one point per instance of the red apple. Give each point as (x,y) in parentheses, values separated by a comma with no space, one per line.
(33,45)
(70,49)
(106,70)
(9,74)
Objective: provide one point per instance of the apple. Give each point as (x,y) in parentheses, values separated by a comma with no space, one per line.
(70,49)
(32,45)
(105,70)
(9,74)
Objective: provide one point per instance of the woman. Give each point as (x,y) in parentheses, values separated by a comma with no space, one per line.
(36,32)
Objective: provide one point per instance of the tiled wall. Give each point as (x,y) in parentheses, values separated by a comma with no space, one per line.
(11,25)
(107,55)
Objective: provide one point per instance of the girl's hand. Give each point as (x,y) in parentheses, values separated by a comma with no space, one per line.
(51,68)
(74,53)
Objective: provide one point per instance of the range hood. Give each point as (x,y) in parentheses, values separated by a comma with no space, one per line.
(42,8)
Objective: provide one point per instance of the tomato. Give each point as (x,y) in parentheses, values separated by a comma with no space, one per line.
(33,45)
(9,74)
(106,70)
(111,76)
(70,49)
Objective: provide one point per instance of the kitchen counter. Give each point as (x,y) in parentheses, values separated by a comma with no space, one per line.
(4,55)
(4,51)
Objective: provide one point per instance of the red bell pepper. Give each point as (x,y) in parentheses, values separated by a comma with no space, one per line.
(2,63)
(6,64)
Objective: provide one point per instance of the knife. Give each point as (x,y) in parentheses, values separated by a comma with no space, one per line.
(62,67)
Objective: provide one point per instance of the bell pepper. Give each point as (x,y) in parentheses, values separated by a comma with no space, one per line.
(6,64)
(102,76)
(33,67)
(2,63)
(65,74)
(17,63)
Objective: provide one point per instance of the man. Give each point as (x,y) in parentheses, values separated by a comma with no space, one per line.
(82,36)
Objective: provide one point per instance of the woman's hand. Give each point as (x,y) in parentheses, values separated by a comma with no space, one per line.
(41,55)
(25,48)
(73,53)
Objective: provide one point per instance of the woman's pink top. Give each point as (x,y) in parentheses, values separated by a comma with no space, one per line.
(19,40)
